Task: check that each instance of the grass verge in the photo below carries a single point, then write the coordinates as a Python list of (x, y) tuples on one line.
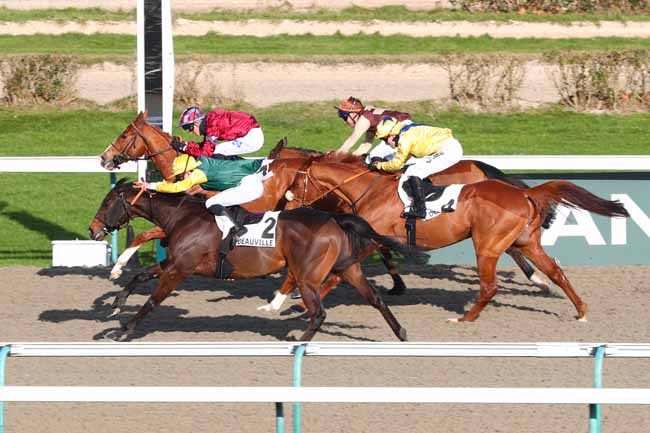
[(108, 47)]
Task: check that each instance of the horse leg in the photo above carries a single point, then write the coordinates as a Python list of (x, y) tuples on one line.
[(550, 268), (120, 299), (169, 279), (528, 270), (398, 284), (280, 294), (355, 277), (332, 281), (487, 272), (315, 309), (142, 238)]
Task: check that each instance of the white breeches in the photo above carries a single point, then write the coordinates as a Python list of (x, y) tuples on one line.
[(382, 150), (250, 188), (249, 143), (450, 153)]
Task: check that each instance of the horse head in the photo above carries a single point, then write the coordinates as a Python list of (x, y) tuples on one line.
[(141, 140), (114, 211)]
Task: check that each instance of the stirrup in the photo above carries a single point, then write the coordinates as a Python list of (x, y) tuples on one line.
[(238, 231)]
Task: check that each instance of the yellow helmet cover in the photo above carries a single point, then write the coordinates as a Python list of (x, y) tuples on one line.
[(184, 163)]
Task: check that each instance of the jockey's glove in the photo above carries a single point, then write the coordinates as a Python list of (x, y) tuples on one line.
[(178, 144), (373, 166)]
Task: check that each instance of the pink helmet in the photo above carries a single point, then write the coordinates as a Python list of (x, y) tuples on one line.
[(189, 116)]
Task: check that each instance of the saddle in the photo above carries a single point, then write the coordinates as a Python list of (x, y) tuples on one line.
[(245, 217), (431, 192), (241, 216)]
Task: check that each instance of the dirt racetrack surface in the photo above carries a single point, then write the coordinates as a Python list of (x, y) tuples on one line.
[(60, 304)]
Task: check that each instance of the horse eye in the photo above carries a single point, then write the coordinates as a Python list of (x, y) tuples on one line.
[(123, 136)]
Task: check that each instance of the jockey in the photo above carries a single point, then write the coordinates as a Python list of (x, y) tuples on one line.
[(431, 150), (239, 131), (237, 180), (364, 120)]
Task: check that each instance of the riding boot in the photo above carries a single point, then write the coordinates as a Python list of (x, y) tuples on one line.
[(418, 208), (238, 230)]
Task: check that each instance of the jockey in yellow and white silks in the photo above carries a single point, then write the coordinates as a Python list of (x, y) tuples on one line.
[(425, 148)]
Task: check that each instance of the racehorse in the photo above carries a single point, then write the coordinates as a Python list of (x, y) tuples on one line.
[(496, 215), (311, 243), (141, 139)]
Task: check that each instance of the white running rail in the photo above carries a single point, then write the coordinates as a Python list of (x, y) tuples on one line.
[(327, 394), (69, 164)]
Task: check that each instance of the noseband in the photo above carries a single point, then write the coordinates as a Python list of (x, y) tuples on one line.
[(109, 228)]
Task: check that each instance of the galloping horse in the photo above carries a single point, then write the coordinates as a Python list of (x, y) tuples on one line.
[(311, 243), (496, 215), (140, 139)]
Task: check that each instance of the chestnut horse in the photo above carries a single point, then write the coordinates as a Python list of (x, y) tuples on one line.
[(311, 243), (140, 139), (496, 215)]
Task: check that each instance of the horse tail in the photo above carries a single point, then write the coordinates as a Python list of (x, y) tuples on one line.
[(492, 172), (361, 234), (550, 194)]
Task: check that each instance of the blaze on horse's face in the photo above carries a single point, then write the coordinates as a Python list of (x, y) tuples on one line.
[(112, 214), (127, 146)]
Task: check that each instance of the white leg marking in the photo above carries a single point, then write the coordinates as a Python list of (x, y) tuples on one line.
[(121, 262), (275, 304)]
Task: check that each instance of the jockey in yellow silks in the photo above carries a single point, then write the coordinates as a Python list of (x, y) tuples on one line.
[(424, 149)]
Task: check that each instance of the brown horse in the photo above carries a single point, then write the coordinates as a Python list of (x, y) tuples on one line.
[(311, 243), (496, 215), (140, 139)]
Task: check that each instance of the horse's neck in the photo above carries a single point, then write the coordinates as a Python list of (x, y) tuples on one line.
[(363, 190), (274, 188), (162, 153), (158, 211)]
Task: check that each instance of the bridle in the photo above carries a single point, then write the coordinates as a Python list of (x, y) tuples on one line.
[(123, 155), (109, 228), (336, 189)]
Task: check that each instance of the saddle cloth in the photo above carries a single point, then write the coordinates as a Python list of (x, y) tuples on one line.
[(438, 199), (260, 234)]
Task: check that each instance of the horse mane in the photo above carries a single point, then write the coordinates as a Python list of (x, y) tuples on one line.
[(159, 131), (342, 157), (305, 150)]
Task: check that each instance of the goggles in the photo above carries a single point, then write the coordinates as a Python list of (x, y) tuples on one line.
[(343, 114)]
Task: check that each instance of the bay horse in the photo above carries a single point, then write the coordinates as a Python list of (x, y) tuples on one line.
[(311, 243), (140, 139), (496, 215)]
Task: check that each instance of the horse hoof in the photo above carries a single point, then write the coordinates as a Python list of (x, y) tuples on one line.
[(266, 307), (540, 282), (115, 275), (582, 319), (114, 312), (402, 335), (297, 308), (453, 320), (112, 335)]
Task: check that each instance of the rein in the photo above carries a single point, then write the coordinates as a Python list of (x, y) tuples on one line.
[(335, 187), (124, 156)]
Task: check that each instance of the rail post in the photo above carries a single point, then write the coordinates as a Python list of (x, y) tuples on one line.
[(114, 245), (4, 353), (297, 374), (595, 411)]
